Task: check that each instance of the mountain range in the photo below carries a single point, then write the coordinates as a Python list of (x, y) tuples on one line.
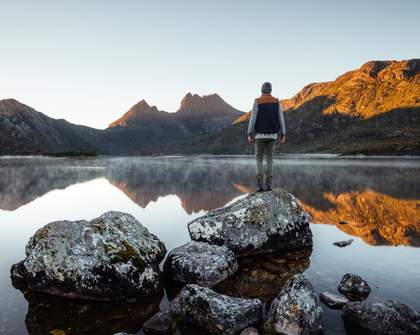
[(371, 110)]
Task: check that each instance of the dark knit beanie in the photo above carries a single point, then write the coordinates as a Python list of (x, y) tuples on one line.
[(266, 88)]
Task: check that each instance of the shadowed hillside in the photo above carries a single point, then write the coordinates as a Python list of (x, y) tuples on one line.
[(373, 110)]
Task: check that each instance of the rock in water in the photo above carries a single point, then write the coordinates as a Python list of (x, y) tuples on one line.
[(214, 312), (108, 258), (296, 310), (200, 263), (259, 223), (160, 323), (333, 300), (354, 287), (344, 243), (389, 318)]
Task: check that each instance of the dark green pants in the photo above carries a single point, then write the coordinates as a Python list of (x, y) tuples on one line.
[(264, 146)]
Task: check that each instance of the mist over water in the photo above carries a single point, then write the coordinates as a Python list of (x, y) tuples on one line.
[(378, 198)]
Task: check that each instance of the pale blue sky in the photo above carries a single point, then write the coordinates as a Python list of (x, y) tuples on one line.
[(89, 61)]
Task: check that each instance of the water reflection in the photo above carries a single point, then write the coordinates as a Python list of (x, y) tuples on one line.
[(380, 200), (377, 218), (51, 315), (264, 276)]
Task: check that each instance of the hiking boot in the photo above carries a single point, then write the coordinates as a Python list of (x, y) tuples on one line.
[(260, 187), (268, 185)]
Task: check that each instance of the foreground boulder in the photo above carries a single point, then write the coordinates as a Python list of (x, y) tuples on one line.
[(389, 318), (296, 310), (108, 258), (200, 263), (354, 287), (261, 222), (214, 312)]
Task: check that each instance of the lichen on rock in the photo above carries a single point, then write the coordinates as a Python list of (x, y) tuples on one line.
[(107, 258), (199, 263), (296, 310), (213, 312), (259, 223)]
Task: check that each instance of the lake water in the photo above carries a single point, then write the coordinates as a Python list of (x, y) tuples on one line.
[(378, 198)]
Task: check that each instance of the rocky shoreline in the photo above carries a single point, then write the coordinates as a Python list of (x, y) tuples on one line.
[(264, 237)]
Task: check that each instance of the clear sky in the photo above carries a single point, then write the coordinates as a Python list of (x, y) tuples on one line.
[(89, 61)]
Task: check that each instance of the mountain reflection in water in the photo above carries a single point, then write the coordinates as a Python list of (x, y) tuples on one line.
[(379, 199)]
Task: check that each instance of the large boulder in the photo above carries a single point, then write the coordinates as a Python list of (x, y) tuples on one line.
[(108, 258), (389, 318), (296, 310), (354, 287), (214, 312), (200, 263), (259, 223)]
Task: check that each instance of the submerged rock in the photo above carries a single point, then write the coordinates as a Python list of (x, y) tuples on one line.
[(343, 244), (296, 310), (160, 323), (214, 312), (389, 318), (200, 263), (333, 300), (263, 276), (261, 222), (108, 258), (354, 287)]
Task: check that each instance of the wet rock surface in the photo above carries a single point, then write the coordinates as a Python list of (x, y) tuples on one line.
[(332, 300), (388, 318), (344, 243), (111, 257), (160, 323), (200, 263), (264, 276), (354, 287), (296, 310), (249, 331), (259, 223), (213, 312)]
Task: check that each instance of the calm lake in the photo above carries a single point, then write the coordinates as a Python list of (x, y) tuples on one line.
[(378, 198)]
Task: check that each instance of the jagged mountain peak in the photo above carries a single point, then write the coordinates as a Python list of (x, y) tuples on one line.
[(137, 113), (205, 104)]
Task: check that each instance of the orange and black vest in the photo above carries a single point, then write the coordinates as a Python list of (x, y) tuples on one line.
[(268, 120)]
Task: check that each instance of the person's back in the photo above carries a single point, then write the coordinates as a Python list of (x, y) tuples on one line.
[(266, 126)]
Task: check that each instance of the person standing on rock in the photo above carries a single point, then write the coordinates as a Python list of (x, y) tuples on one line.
[(266, 127)]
